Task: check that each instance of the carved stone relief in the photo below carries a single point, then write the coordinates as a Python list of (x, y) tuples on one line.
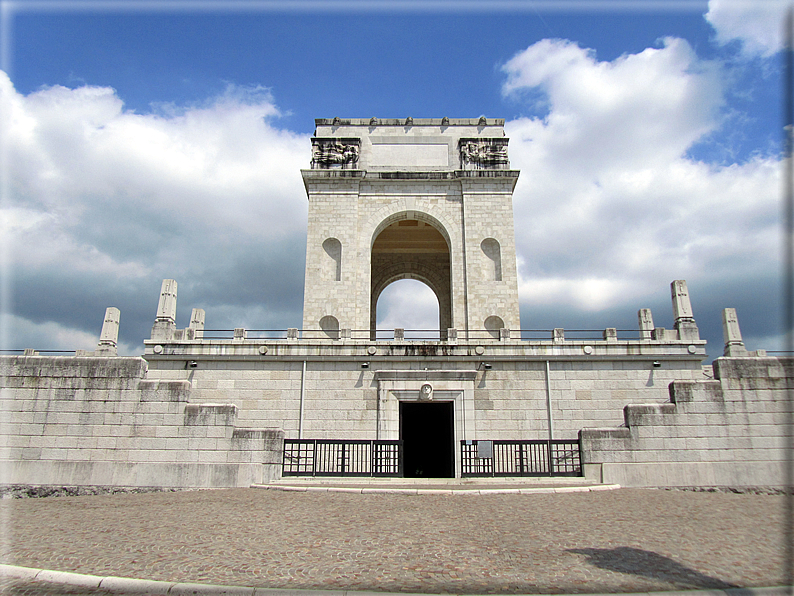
[(483, 154), (335, 153)]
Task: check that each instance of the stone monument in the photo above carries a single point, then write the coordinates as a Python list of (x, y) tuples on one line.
[(427, 199)]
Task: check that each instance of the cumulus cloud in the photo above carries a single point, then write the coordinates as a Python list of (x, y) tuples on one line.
[(115, 201), (56, 337), (756, 24), (102, 203), (609, 208)]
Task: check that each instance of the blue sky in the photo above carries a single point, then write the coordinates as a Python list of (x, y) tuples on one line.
[(167, 142)]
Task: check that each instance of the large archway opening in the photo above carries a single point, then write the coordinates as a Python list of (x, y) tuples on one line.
[(411, 305), (412, 248)]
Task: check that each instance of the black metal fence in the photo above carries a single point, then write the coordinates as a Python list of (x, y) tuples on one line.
[(521, 458), (331, 457)]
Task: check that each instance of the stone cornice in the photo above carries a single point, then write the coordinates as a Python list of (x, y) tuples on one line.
[(413, 122), (405, 175)]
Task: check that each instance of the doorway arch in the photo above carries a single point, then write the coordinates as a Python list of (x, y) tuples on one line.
[(415, 247)]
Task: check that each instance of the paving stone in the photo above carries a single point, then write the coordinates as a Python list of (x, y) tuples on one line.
[(625, 540)]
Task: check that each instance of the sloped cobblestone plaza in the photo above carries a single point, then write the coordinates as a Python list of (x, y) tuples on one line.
[(625, 540)]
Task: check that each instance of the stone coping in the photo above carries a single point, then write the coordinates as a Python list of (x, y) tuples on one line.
[(461, 349), (397, 174), (439, 490), (402, 122)]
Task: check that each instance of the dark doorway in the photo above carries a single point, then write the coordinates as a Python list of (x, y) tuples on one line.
[(427, 433)]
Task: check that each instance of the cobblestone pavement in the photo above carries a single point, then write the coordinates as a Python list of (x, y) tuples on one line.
[(626, 540)]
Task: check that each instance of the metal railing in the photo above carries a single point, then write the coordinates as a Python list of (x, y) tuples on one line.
[(39, 352), (332, 457), (521, 458), (417, 334)]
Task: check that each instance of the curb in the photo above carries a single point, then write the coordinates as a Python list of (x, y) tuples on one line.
[(371, 490), (160, 588)]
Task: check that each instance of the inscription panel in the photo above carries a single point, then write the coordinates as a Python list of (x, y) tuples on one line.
[(409, 155)]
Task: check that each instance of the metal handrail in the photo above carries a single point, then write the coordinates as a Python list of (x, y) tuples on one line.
[(342, 457), (543, 457)]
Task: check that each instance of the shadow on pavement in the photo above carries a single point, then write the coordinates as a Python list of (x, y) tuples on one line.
[(644, 563)]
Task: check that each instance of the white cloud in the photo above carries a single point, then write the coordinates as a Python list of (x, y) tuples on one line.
[(608, 207), (51, 335), (77, 150), (756, 24), (115, 201)]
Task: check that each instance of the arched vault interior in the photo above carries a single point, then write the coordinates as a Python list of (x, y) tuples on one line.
[(412, 249)]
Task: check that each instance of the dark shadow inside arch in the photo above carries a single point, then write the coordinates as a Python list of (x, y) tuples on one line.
[(412, 249)]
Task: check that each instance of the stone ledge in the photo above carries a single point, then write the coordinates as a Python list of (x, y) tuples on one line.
[(420, 375), (401, 122), (209, 414), (688, 391)]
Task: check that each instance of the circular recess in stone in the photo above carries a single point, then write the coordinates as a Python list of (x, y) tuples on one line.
[(158, 349), (691, 349), (587, 349), (263, 350), (479, 350), (372, 350)]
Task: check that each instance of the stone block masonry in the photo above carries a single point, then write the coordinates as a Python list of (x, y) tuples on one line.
[(730, 431), (94, 421), (425, 199)]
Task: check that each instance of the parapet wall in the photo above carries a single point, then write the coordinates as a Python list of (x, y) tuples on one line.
[(99, 421), (730, 431)]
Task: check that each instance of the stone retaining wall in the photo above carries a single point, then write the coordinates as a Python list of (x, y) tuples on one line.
[(99, 421), (731, 431)]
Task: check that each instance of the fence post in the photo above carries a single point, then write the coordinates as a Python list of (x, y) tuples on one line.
[(521, 459), (551, 460)]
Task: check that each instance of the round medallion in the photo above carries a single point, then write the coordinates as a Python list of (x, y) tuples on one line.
[(263, 350), (691, 349), (372, 350), (587, 349), (479, 350), (158, 349), (426, 392)]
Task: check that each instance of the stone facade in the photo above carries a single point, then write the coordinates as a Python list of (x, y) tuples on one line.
[(427, 199), (102, 421), (344, 386), (729, 431)]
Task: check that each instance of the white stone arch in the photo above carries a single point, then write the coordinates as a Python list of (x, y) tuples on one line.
[(425, 275), (438, 277), (401, 210)]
